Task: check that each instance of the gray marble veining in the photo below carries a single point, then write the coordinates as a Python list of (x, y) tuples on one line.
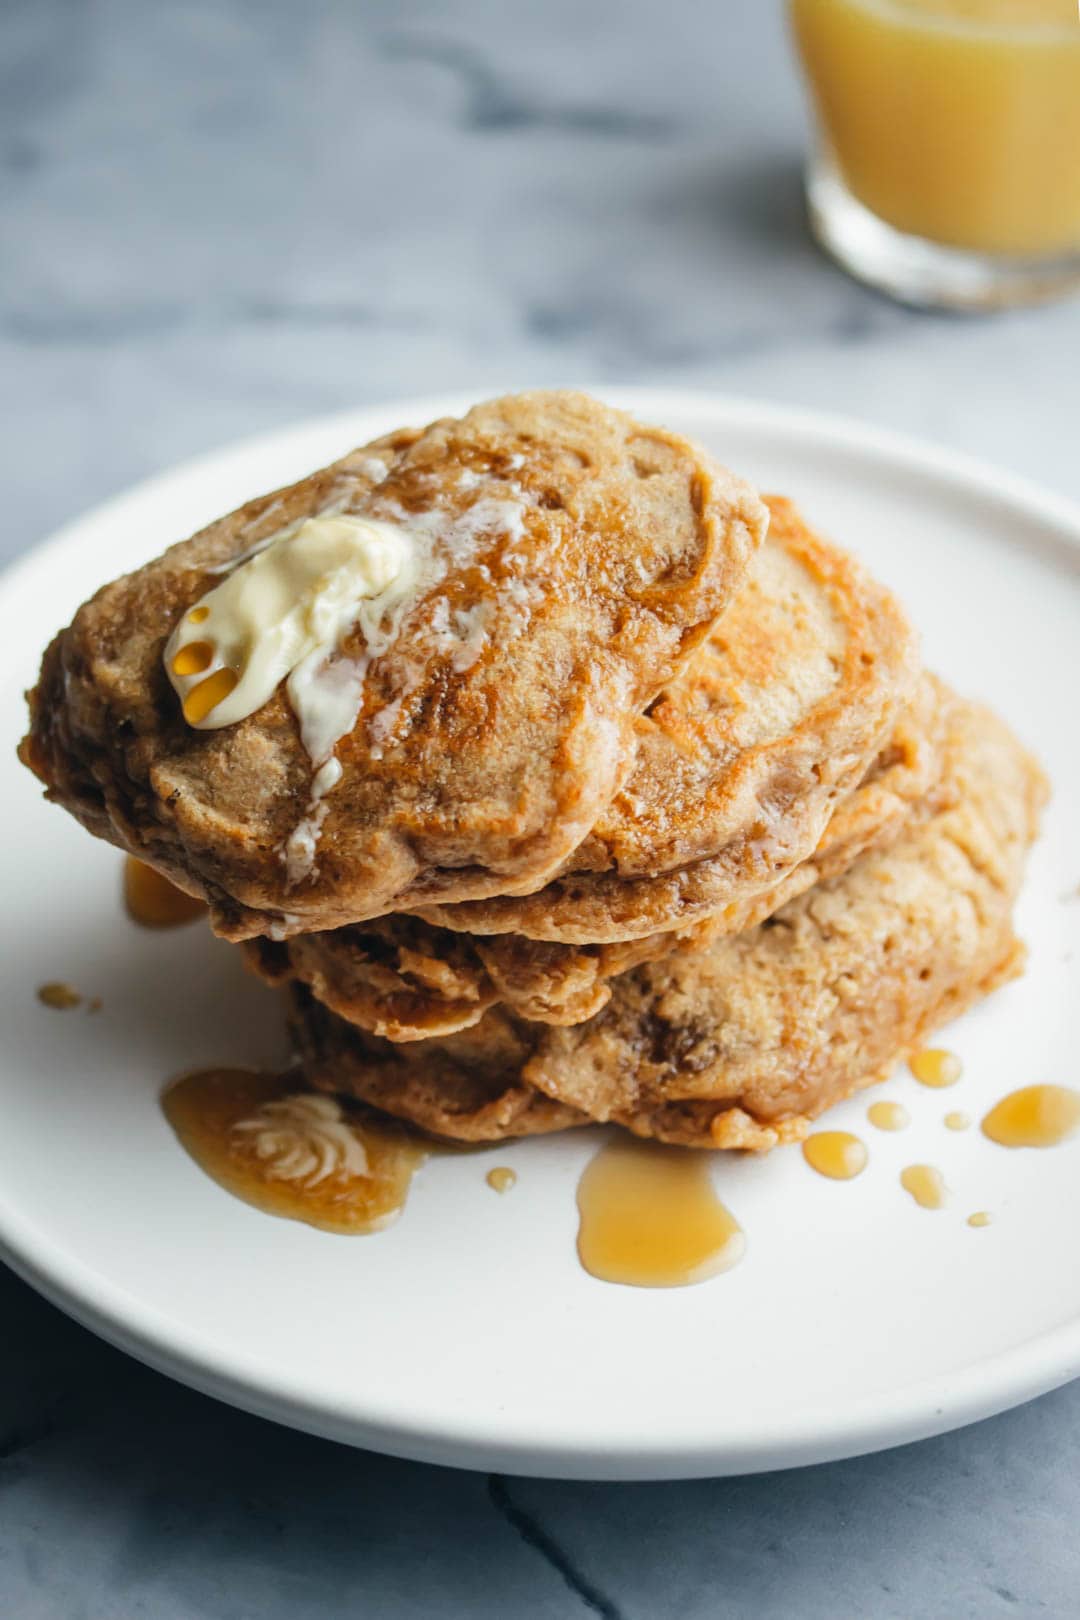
[(219, 217)]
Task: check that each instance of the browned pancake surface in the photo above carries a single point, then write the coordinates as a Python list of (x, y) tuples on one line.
[(740, 1044), (468, 1088), (406, 980), (583, 556), (741, 761)]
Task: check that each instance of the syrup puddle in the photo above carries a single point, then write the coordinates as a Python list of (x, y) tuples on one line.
[(1034, 1116), (935, 1068), (209, 693), (650, 1217), (836, 1154), (153, 902), (60, 997), (649, 1214), (888, 1116), (299, 1154), (926, 1185)]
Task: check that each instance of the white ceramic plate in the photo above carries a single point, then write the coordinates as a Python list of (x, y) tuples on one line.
[(468, 1334)]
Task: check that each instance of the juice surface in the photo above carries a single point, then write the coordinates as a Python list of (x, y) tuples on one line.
[(955, 120)]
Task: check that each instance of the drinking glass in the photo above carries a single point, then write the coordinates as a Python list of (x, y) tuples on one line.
[(947, 168)]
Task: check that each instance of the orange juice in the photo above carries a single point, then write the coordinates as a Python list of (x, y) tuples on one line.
[(953, 120)]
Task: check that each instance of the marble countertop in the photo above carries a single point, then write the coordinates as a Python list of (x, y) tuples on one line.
[(223, 217)]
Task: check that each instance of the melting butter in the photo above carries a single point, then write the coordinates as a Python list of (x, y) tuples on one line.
[(291, 1152), (300, 847), (285, 606), (280, 610)]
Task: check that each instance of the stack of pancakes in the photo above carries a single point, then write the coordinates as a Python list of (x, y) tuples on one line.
[(648, 813)]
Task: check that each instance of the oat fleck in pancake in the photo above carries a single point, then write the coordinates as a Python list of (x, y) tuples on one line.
[(741, 761), (739, 1045), (407, 980), (569, 561)]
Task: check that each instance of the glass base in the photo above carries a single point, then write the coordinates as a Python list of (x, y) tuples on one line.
[(916, 271)]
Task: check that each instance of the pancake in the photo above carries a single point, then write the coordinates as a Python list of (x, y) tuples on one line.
[(742, 1044), (569, 560), (406, 980), (472, 1090), (741, 762)]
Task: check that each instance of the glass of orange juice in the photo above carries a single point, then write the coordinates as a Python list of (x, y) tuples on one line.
[(948, 166)]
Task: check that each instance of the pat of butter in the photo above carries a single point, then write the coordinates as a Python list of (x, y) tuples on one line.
[(294, 598)]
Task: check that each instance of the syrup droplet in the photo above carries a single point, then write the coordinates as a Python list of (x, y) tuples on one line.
[(1034, 1116), (501, 1179), (888, 1116), (650, 1217), (981, 1217), (208, 694), (193, 659), (290, 1152), (153, 902), (926, 1185), (836, 1154), (198, 615), (58, 996), (957, 1121), (935, 1068)]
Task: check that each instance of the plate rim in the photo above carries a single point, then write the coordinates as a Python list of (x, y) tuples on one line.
[(909, 1412)]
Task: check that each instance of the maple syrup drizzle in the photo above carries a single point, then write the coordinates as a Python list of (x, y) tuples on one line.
[(650, 1217), (836, 1154), (208, 694), (1034, 1116), (193, 659), (935, 1068), (501, 1178), (153, 902), (888, 1116), (299, 1154), (60, 997), (926, 1185)]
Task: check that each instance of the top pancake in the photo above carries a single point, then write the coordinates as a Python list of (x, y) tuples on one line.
[(741, 761), (575, 560)]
